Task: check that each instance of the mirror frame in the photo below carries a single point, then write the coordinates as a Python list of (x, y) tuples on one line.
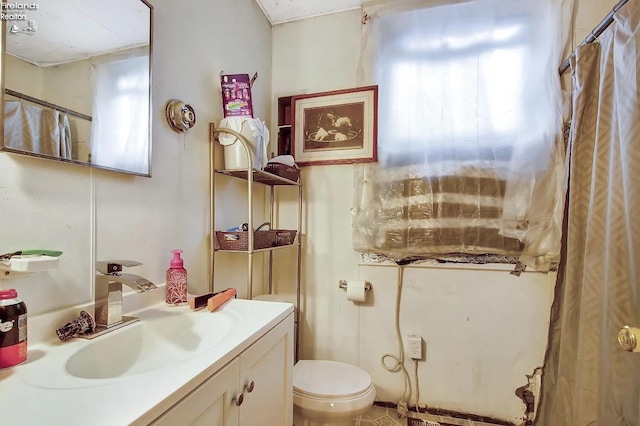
[(3, 148)]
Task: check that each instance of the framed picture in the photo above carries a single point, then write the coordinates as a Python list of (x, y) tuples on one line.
[(338, 127)]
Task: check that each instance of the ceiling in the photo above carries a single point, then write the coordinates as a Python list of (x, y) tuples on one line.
[(280, 11), (69, 30), (94, 27)]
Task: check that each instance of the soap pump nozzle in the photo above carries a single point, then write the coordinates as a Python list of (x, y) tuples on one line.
[(176, 262)]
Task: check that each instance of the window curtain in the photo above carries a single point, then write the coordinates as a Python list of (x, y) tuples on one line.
[(121, 95), (469, 132), (588, 378)]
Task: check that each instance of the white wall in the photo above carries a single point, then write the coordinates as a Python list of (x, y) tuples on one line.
[(22, 76), (588, 14), (75, 209), (69, 85), (485, 330), (171, 210)]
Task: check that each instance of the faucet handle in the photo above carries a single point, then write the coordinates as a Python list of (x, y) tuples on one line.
[(83, 324), (112, 266)]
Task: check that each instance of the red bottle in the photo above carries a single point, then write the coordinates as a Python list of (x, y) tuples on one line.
[(13, 329)]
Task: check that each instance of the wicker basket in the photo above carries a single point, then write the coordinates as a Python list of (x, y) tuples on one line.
[(239, 240), (282, 170), (285, 237)]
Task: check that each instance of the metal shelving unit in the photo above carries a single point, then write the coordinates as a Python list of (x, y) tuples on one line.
[(252, 176)]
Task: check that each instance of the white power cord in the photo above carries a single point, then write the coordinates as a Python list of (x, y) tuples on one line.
[(417, 386), (403, 407)]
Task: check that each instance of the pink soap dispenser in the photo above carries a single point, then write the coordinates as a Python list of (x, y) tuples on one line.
[(176, 291)]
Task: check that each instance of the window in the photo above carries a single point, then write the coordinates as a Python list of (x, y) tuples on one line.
[(468, 122), (470, 86), (121, 95)]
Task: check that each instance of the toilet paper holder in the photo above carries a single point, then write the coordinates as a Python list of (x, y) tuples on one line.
[(343, 285)]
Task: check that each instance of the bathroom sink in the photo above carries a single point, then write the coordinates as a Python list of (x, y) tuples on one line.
[(160, 339), (164, 338)]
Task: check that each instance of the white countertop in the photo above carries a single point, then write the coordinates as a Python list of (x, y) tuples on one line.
[(41, 392)]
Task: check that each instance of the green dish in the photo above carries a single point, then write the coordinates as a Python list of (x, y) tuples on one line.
[(32, 252)]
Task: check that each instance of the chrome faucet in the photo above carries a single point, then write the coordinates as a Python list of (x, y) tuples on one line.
[(108, 301), (108, 291)]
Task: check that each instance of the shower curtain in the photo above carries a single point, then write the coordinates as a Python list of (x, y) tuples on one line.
[(35, 129), (588, 378)]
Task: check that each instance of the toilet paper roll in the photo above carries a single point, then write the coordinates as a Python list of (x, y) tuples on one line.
[(356, 290)]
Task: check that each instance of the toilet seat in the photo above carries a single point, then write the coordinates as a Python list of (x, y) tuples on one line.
[(330, 392), (329, 380)]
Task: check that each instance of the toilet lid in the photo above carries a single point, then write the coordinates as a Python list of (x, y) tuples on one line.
[(329, 379)]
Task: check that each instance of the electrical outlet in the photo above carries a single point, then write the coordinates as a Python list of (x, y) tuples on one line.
[(415, 347)]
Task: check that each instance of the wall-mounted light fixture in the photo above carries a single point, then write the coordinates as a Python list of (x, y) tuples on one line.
[(180, 116)]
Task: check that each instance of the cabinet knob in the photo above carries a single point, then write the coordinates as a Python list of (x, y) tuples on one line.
[(238, 399), (249, 386)]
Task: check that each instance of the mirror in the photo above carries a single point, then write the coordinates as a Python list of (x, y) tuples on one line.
[(77, 82)]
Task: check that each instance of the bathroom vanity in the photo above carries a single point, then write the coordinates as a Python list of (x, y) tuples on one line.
[(173, 367), (252, 389)]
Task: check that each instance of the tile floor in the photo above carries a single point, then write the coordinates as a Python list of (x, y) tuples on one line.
[(380, 416)]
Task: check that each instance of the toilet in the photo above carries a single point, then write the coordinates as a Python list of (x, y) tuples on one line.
[(327, 392), (330, 393)]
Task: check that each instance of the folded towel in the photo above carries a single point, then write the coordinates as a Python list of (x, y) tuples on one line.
[(284, 159)]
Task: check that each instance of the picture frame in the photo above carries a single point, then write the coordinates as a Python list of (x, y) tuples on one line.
[(336, 127)]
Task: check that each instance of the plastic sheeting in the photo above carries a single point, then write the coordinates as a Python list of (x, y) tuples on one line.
[(405, 212), (469, 132)]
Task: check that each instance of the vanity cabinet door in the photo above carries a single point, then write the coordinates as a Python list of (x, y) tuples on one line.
[(266, 378), (256, 388), (210, 404)]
